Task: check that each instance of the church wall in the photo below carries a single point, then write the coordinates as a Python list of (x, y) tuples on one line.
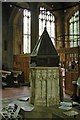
[(59, 29), (17, 35), (11, 38), (4, 47), (4, 38), (12, 35), (7, 49)]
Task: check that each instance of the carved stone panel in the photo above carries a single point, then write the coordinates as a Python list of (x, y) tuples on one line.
[(44, 83)]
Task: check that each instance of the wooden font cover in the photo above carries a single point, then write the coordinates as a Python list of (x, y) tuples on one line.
[(44, 52)]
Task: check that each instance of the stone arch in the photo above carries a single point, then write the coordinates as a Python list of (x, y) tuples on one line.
[(16, 23)]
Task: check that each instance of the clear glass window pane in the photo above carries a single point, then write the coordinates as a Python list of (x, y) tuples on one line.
[(74, 29), (75, 43), (26, 31), (49, 19)]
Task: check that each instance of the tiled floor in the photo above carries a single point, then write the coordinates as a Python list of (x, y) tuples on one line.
[(15, 92), (21, 91), (18, 92), (10, 94)]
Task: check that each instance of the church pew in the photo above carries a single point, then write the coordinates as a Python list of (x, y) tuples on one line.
[(4, 74), (12, 78), (19, 77)]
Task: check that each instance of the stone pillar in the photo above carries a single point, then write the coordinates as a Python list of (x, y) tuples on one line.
[(44, 83), (1, 36), (34, 24), (60, 30), (10, 48)]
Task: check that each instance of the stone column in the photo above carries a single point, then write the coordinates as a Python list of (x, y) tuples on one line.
[(59, 29), (34, 24), (10, 48)]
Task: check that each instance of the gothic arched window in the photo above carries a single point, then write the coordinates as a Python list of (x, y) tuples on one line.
[(48, 18), (26, 31), (74, 30)]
